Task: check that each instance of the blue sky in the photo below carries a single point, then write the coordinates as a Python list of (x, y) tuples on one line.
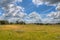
[(1, 11), (30, 7)]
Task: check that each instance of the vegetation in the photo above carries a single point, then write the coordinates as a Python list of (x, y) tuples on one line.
[(30, 32), (35, 31), (2, 22), (21, 22)]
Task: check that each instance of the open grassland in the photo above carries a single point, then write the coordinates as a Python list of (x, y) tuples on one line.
[(29, 32)]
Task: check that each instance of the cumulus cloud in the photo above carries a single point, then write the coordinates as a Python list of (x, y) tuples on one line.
[(14, 13), (13, 9), (53, 17), (34, 17), (18, 0), (51, 20), (5, 3), (39, 2), (51, 1), (58, 7)]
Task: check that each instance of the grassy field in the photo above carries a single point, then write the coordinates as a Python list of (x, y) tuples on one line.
[(29, 32)]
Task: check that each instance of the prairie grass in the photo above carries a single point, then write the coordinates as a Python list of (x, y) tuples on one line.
[(29, 32)]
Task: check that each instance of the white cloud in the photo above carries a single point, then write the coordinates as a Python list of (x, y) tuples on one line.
[(47, 2), (58, 7), (13, 9), (19, 0), (37, 2), (14, 13), (1, 18), (31, 18), (5, 3), (53, 17), (34, 17)]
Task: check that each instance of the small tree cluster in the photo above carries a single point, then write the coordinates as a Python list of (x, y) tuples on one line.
[(3, 22), (21, 22)]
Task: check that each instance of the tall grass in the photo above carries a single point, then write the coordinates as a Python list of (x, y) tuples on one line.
[(30, 32)]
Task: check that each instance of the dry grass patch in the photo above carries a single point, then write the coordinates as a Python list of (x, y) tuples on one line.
[(29, 32)]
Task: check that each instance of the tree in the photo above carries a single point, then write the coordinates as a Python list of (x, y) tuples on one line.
[(4, 22)]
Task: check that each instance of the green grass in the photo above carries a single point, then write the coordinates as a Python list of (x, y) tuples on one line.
[(29, 32)]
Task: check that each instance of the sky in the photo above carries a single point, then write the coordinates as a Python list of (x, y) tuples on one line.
[(30, 11)]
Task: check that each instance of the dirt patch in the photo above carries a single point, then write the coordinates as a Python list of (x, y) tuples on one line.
[(9, 27)]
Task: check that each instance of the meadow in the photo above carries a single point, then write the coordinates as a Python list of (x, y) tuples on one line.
[(29, 32)]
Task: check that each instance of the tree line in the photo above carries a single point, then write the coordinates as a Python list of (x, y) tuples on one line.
[(4, 22)]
